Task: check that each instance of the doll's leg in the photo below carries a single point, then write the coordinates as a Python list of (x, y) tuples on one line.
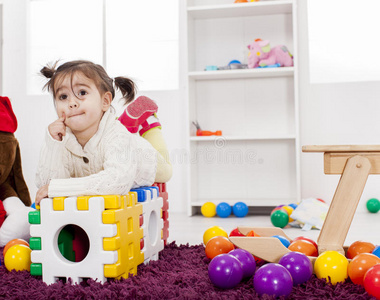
[(164, 167)]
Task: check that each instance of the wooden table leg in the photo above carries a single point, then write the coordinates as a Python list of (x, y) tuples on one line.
[(344, 204)]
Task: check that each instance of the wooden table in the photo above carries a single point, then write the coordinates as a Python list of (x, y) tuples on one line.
[(355, 163)]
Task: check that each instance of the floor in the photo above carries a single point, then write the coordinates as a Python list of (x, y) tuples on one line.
[(184, 229)]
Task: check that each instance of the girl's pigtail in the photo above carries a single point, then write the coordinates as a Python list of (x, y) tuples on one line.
[(48, 72), (127, 88)]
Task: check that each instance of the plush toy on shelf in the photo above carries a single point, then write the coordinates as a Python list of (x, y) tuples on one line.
[(261, 55)]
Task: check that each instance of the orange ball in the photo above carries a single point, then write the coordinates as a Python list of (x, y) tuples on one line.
[(253, 234), (14, 242), (218, 245), (304, 247), (360, 265), (359, 247)]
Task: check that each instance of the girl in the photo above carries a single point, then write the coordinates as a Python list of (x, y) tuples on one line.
[(87, 151)]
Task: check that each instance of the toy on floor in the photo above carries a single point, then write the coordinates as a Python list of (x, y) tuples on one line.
[(261, 54), (359, 265), (358, 247), (14, 242), (279, 218), (119, 239), (372, 281), (208, 210), (373, 205), (331, 265), (240, 209), (218, 245), (225, 271), (274, 280), (223, 210), (298, 265), (17, 258), (14, 193), (247, 261), (213, 231), (304, 247), (201, 132)]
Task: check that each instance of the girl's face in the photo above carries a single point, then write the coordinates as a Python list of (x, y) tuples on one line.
[(82, 104)]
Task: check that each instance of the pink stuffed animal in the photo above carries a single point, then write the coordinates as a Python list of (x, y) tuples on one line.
[(261, 55)]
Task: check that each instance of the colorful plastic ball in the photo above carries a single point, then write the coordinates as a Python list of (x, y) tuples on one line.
[(306, 239), (359, 247), (371, 281), (253, 234), (279, 218), (240, 209), (359, 265), (225, 271), (218, 245), (283, 240), (304, 247), (293, 205), (14, 242), (223, 210), (213, 231), (18, 258), (208, 210), (376, 251), (247, 261), (289, 211), (298, 265), (274, 280), (236, 232), (373, 205), (331, 264)]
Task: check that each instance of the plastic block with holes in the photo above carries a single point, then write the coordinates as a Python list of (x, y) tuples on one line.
[(165, 210), (86, 237), (152, 222)]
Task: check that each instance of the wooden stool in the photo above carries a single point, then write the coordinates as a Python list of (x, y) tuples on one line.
[(355, 163)]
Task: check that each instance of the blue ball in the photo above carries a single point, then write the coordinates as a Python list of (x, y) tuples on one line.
[(376, 251), (240, 209), (283, 240), (223, 210), (293, 205)]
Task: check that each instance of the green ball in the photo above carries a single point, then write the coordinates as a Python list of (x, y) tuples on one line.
[(373, 205), (279, 218)]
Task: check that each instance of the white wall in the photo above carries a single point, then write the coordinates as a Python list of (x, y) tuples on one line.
[(35, 113), (329, 113), (339, 113)]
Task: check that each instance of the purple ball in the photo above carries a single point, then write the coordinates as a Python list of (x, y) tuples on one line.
[(247, 261), (225, 271), (273, 280), (298, 265)]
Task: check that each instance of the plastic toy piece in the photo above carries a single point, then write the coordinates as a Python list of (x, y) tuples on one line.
[(201, 132), (355, 163)]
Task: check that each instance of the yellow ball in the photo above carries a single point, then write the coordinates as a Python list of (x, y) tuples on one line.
[(331, 264), (213, 231), (208, 209), (18, 258), (289, 211)]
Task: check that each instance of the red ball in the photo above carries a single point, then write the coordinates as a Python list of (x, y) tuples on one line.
[(236, 232), (372, 281), (218, 245)]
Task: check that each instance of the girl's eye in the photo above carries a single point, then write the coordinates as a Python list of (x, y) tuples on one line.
[(82, 93), (62, 97)]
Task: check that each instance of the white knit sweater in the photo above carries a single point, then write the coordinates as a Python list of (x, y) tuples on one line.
[(112, 162)]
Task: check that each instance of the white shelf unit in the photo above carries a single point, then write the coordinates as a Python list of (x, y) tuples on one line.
[(257, 159)]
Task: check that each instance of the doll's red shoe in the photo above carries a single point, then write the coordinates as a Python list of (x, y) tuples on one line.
[(137, 112)]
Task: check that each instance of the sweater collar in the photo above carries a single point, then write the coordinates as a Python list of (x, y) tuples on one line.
[(72, 144)]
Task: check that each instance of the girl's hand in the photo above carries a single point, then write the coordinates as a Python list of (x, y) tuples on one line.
[(41, 194), (57, 129)]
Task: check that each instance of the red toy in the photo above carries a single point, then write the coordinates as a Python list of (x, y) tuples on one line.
[(201, 132)]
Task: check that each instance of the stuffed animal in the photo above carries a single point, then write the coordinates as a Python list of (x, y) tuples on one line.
[(14, 194), (262, 55)]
